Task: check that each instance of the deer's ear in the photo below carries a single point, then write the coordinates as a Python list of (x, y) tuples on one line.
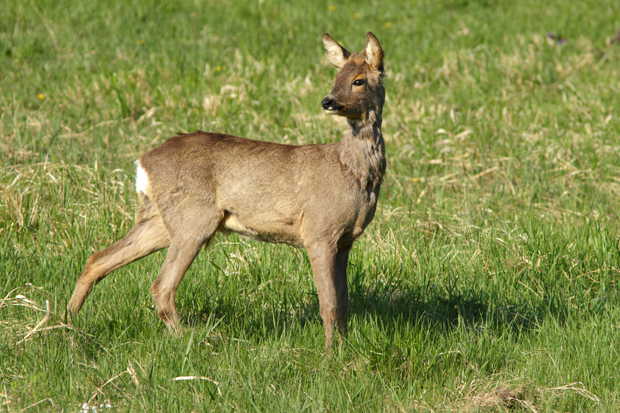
[(337, 55), (374, 53)]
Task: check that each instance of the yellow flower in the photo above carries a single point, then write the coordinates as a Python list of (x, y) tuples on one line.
[(388, 25), (141, 41), (41, 96), (356, 16), (331, 8), (218, 68)]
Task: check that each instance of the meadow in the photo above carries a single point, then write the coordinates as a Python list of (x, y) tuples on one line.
[(488, 280)]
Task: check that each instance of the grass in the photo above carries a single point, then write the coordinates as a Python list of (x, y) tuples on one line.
[(488, 280)]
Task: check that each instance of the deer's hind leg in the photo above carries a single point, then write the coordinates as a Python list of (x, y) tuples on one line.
[(149, 235), (189, 229)]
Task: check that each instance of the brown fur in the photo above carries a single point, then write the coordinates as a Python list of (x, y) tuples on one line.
[(319, 197)]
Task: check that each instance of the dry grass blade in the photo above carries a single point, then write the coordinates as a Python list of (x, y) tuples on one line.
[(132, 373), (6, 297), (110, 380), (579, 390), (47, 399), (67, 326), (40, 323), (24, 301), (185, 378)]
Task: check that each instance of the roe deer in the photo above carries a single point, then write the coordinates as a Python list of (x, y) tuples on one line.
[(320, 197)]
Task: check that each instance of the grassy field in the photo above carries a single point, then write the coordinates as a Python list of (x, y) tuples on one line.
[(488, 280)]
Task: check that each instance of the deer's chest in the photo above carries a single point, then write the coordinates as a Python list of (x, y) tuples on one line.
[(365, 212)]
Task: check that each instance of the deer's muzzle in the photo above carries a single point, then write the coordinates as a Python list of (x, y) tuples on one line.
[(331, 106)]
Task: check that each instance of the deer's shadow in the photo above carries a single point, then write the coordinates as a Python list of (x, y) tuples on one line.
[(394, 302)]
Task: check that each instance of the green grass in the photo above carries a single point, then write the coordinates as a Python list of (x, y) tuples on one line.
[(488, 280)]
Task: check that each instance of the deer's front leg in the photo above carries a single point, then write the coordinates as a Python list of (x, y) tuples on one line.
[(342, 291), (330, 277)]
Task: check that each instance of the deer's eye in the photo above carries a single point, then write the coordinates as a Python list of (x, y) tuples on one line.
[(359, 82)]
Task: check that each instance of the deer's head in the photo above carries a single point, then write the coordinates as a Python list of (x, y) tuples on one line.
[(358, 86)]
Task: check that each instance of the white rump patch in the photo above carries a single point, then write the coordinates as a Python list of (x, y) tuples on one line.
[(142, 180)]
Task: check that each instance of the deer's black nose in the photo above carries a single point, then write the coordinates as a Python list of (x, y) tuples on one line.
[(327, 103)]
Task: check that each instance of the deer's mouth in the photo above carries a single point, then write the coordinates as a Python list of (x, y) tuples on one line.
[(332, 111)]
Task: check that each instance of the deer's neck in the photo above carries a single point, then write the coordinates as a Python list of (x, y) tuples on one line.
[(363, 151)]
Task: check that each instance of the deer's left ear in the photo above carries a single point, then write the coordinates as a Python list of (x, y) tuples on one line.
[(374, 53), (337, 55)]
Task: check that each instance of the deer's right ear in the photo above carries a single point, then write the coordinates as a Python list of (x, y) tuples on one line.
[(337, 55), (374, 53)]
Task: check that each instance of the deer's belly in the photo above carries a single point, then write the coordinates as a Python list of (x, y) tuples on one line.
[(278, 231)]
